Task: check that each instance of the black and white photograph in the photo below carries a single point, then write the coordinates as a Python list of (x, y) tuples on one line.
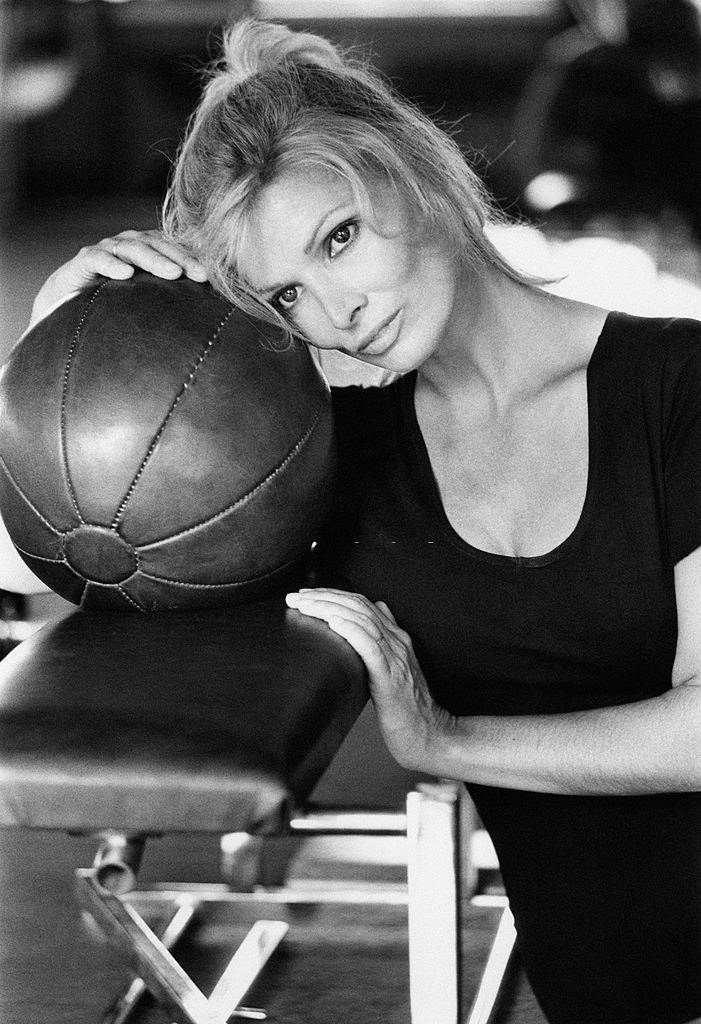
[(350, 511)]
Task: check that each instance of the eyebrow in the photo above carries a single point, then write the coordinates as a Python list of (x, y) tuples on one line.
[(307, 248)]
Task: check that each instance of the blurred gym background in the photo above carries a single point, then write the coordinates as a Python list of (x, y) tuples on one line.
[(583, 116)]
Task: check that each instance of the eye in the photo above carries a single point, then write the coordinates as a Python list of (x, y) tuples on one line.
[(341, 237), (285, 298)]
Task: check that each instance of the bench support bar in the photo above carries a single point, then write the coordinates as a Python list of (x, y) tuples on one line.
[(437, 829), (162, 974)]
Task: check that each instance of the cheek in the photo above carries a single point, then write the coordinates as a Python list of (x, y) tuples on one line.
[(380, 265), (404, 267), (310, 319)]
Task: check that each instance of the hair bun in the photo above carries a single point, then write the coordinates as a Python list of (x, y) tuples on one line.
[(251, 46)]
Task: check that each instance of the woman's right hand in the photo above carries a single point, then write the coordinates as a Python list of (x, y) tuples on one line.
[(116, 257)]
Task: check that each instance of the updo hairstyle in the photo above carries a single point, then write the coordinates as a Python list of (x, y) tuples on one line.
[(279, 100)]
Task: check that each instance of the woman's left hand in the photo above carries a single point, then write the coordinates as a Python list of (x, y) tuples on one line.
[(411, 721)]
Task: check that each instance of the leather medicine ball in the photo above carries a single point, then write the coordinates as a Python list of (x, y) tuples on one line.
[(161, 449)]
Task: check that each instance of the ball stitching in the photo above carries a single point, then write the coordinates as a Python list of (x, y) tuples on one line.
[(275, 471), (35, 510), (159, 433), (219, 586), (66, 374)]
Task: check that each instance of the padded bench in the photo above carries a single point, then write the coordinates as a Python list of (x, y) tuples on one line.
[(128, 726)]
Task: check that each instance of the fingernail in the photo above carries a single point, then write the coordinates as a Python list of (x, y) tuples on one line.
[(292, 598)]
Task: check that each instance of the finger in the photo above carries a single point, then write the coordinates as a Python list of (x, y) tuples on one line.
[(386, 616), (328, 590), (93, 261), (172, 251), (385, 611), (323, 599), (351, 599), (374, 654), (393, 640), (138, 252), (344, 597), (152, 252), (377, 610), (322, 607)]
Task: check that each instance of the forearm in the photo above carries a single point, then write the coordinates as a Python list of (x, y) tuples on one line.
[(650, 746)]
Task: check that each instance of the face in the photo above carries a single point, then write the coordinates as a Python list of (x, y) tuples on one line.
[(366, 288)]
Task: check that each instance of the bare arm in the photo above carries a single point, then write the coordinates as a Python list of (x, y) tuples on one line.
[(646, 747), (649, 746)]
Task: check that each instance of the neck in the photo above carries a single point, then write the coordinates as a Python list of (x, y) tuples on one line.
[(501, 338)]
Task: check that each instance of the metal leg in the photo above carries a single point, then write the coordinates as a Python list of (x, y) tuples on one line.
[(434, 877), (127, 1002), (148, 956), (245, 966), (130, 934)]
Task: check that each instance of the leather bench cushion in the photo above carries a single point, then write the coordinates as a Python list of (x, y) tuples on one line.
[(214, 721)]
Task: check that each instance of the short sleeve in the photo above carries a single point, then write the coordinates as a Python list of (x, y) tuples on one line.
[(683, 452)]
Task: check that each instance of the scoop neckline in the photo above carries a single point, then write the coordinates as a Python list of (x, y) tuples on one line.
[(432, 492)]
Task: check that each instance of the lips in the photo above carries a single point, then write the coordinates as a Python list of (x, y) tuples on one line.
[(382, 333)]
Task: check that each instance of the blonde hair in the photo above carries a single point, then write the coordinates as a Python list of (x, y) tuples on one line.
[(279, 100)]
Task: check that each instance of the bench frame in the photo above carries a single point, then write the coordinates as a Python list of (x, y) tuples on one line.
[(440, 880)]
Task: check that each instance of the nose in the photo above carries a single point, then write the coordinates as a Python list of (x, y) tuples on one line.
[(343, 306)]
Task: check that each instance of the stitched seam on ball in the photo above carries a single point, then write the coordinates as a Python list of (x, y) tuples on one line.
[(174, 404), (293, 452), (131, 601), (41, 558), (66, 374), (220, 586), (24, 497)]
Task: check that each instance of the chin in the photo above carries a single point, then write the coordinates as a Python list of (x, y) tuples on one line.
[(403, 357)]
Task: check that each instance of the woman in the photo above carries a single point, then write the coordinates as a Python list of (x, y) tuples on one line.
[(525, 497)]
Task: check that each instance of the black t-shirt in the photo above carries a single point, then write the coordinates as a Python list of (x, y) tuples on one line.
[(606, 891)]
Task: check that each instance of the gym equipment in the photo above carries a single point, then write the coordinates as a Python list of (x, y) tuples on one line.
[(608, 123), (220, 721), (160, 449)]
